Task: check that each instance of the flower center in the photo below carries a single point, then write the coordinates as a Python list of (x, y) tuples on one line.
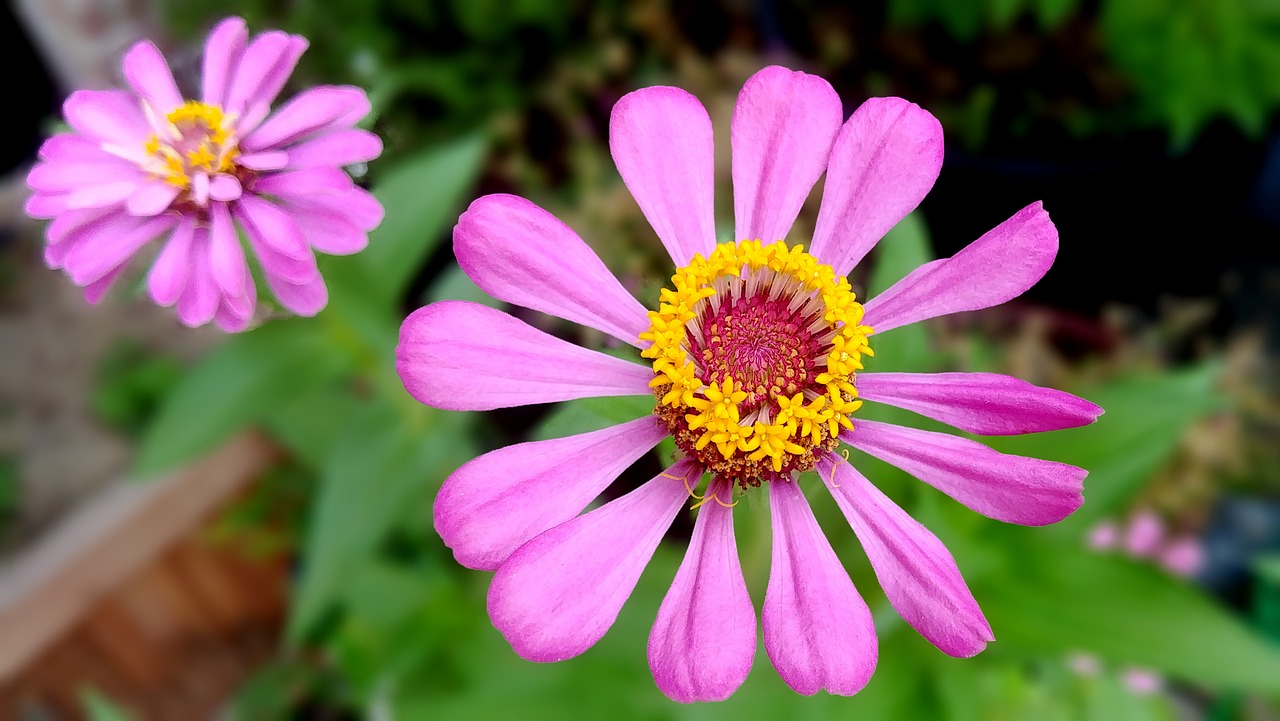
[(755, 350), (193, 139)]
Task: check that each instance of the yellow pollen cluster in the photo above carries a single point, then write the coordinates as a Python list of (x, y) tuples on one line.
[(200, 140), (791, 426)]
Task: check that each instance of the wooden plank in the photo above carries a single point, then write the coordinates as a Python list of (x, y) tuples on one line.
[(109, 540)]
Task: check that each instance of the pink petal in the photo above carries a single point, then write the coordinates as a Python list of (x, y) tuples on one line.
[(342, 147), (264, 161), (97, 290), (304, 299), (313, 111), (303, 183), (817, 629), (91, 168), (918, 574), (704, 638), (259, 61), (361, 207), (111, 243), (1103, 536), (1000, 265), (151, 198), (468, 357), (107, 116), (1144, 536), (72, 228), (226, 256), (883, 163), (326, 226), (559, 593), (225, 188), (1183, 557), (229, 320), (222, 54), (986, 403), (275, 79), (72, 148), (783, 128), (1013, 489), (199, 300), (520, 253), (168, 277), (276, 239), (660, 138), (45, 205), (148, 74), (99, 196), (200, 189), (495, 503)]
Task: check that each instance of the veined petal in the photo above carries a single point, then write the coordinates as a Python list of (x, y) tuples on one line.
[(147, 72), (110, 243), (1013, 489), (989, 404), (661, 141), (918, 574), (468, 357), (495, 503), (1000, 265), (559, 593), (817, 629), (783, 126), (276, 239), (704, 638), (520, 253), (258, 61), (310, 112), (222, 52), (884, 161)]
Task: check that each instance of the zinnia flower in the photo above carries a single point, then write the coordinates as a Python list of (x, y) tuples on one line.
[(757, 349), (144, 163)]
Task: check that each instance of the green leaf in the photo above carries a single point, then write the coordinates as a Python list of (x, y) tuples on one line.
[(1062, 598), (236, 386), (592, 414), (1144, 421), (312, 423), (420, 196), (98, 708), (378, 469)]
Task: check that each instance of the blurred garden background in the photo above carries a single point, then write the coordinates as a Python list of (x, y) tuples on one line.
[(281, 481)]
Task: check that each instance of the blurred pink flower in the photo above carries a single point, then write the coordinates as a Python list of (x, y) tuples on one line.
[(1103, 536), (144, 163), (1183, 556), (1141, 681), (755, 350), (1144, 535)]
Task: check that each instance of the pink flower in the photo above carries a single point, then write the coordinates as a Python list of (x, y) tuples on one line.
[(145, 163), (756, 351)]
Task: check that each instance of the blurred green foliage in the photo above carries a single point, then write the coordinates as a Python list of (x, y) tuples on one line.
[(131, 384)]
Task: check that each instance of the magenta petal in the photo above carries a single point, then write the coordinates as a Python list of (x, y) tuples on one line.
[(918, 574), (168, 277), (222, 52), (783, 126), (72, 148), (343, 147), (275, 160), (224, 187), (327, 226), (46, 205), (1000, 265), (305, 299), (817, 629), (97, 290), (559, 593), (148, 74), (1013, 489), (107, 116), (99, 196), (151, 198), (884, 161), (495, 503), (111, 243), (661, 141), (199, 300), (226, 256), (704, 638), (258, 61), (309, 112), (277, 240), (520, 253), (985, 403), (303, 183), (94, 167), (468, 357), (274, 81)]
